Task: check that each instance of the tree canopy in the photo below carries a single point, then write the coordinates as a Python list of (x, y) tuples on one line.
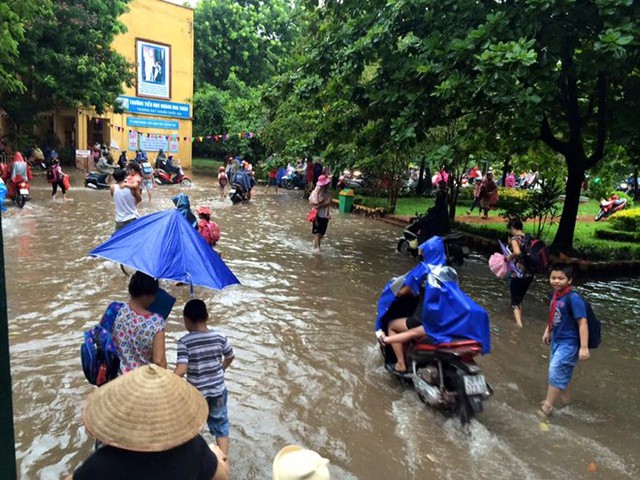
[(560, 72), (65, 58)]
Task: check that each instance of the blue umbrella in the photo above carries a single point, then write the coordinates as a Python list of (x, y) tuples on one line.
[(164, 246)]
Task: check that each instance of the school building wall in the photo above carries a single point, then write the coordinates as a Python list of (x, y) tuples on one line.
[(149, 122)]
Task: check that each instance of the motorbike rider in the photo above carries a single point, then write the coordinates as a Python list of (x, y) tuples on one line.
[(442, 317), (169, 167), (18, 171), (104, 167)]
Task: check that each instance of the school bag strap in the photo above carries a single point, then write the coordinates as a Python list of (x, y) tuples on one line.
[(110, 315), (593, 323)]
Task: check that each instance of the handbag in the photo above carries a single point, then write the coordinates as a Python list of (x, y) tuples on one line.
[(498, 265), (311, 216)]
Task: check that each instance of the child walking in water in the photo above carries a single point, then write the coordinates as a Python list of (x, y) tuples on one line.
[(568, 334), (208, 229), (223, 180), (204, 355), (57, 180)]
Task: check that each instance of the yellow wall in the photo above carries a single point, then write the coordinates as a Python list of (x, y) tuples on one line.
[(160, 22)]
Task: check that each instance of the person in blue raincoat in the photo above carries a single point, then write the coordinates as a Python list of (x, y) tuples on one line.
[(182, 203), (428, 301), (3, 195)]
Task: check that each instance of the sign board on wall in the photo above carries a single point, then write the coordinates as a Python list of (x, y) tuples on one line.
[(153, 143), (173, 144), (133, 141), (152, 123), (154, 107), (154, 69)]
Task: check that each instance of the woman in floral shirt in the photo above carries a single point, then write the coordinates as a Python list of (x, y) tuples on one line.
[(138, 333)]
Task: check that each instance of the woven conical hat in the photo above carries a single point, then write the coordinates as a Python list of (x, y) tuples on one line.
[(147, 410)]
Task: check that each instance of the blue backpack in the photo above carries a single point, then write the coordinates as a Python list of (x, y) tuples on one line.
[(595, 336), (98, 353)]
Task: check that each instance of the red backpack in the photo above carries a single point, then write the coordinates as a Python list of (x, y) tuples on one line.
[(209, 231), (535, 255)]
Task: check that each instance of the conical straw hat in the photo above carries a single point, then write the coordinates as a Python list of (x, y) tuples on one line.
[(147, 410), (297, 463)]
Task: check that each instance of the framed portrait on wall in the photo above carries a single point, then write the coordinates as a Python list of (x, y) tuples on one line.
[(154, 69)]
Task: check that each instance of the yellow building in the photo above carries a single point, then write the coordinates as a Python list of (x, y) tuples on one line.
[(158, 109)]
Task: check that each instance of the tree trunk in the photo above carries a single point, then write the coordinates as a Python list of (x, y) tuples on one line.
[(505, 169), (635, 183), (564, 236)]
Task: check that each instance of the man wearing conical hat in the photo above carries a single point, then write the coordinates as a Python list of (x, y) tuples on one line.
[(150, 422)]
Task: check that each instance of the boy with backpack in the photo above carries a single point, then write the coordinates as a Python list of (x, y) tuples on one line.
[(203, 355), (568, 332)]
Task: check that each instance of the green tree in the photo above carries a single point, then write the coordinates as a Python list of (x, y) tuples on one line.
[(66, 60), (14, 17), (248, 38)]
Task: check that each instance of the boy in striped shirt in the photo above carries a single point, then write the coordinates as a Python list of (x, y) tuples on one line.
[(203, 355)]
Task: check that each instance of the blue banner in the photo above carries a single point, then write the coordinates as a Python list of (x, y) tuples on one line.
[(152, 123), (155, 107)]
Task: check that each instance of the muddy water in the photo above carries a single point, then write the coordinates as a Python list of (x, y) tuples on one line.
[(307, 370)]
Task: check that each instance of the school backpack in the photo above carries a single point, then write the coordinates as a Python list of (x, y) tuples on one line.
[(98, 353), (210, 232), (595, 335), (535, 255), (222, 179), (147, 171)]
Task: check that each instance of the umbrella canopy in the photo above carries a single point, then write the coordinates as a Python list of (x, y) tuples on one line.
[(164, 246)]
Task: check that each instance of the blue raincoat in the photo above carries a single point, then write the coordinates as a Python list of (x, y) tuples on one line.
[(182, 203), (243, 178), (3, 195), (447, 312)]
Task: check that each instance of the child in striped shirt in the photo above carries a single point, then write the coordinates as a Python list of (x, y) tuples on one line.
[(203, 355)]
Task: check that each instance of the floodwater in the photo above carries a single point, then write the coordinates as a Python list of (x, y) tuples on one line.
[(307, 368)]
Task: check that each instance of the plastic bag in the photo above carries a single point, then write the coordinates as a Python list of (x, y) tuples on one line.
[(65, 182), (311, 217), (498, 265)]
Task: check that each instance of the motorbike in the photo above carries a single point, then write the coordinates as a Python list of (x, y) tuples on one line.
[(163, 178), (294, 180), (445, 376), (96, 181), (354, 180), (609, 207), (416, 233), (239, 193), (22, 193)]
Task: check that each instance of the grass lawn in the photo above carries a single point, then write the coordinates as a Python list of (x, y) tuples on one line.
[(585, 241), (205, 164)]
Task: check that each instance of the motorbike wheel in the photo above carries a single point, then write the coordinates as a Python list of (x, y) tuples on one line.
[(185, 183), (288, 184), (599, 215), (403, 246), (465, 410), (21, 200)]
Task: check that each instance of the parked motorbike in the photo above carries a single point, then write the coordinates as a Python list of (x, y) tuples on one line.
[(22, 194), (176, 178), (294, 180), (354, 180), (609, 207), (96, 181), (444, 376)]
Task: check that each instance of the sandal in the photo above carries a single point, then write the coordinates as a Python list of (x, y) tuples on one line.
[(545, 410)]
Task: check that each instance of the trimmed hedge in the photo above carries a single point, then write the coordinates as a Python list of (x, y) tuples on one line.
[(618, 235), (626, 221)]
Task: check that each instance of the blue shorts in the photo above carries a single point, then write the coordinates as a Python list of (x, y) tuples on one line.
[(218, 421), (564, 357)]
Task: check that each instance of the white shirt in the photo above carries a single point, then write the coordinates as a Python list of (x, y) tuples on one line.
[(125, 204)]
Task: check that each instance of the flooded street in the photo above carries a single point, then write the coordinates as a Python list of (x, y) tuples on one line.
[(307, 368)]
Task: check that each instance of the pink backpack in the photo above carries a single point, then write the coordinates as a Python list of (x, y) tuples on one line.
[(209, 231)]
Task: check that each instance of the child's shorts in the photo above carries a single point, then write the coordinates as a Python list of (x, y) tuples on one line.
[(218, 420), (147, 184), (564, 357)]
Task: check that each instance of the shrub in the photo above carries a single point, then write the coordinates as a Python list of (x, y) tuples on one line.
[(514, 203), (618, 235), (626, 221)]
